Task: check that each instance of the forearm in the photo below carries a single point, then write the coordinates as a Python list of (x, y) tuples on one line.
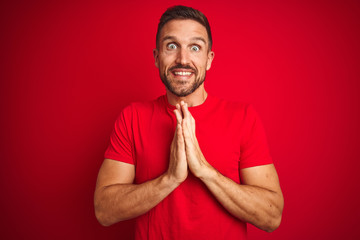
[(120, 202), (258, 206)]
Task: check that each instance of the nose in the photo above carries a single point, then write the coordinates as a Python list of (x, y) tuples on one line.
[(182, 57)]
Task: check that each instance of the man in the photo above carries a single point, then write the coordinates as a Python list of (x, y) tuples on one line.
[(181, 178)]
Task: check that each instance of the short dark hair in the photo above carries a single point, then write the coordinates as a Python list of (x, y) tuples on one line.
[(182, 12)]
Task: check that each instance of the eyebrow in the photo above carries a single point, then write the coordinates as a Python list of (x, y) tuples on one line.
[(168, 38), (199, 39), (193, 39)]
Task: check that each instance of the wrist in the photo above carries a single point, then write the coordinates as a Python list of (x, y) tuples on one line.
[(208, 173), (170, 180)]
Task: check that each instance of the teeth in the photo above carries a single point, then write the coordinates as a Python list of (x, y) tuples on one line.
[(182, 73)]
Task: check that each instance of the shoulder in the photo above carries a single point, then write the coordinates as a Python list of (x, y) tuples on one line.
[(238, 111), (141, 108), (232, 105)]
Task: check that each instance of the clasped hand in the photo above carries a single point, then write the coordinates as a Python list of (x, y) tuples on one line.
[(185, 152)]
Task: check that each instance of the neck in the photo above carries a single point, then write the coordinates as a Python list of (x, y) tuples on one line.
[(196, 98)]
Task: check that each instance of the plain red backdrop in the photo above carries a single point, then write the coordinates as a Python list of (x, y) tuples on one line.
[(68, 68)]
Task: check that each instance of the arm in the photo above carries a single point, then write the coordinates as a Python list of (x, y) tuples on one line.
[(117, 198), (258, 201)]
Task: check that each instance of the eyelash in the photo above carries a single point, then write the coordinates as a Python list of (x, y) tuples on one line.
[(196, 47), (168, 46)]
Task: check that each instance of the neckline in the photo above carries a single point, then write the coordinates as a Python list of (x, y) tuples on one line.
[(197, 108)]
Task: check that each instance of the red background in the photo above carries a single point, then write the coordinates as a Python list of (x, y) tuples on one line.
[(68, 68)]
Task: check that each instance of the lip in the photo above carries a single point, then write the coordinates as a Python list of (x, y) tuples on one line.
[(182, 70)]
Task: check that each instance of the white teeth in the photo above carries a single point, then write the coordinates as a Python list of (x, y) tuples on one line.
[(182, 73)]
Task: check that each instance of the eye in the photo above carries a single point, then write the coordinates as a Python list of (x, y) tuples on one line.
[(172, 46), (195, 48)]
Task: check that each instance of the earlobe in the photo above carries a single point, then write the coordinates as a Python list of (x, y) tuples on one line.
[(211, 56), (156, 57)]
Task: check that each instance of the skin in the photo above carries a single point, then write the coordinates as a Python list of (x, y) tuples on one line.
[(258, 200), (184, 42)]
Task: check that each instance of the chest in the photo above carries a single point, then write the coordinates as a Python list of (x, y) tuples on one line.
[(219, 141)]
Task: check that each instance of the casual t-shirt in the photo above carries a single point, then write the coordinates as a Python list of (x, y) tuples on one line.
[(231, 137)]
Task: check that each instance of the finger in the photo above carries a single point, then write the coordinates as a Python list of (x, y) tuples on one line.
[(178, 141), (193, 125), (188, 120), (187, 115), (179, 119), (179, 135), (188, 141), (186, 128), (185, 109), (179, 108), (178, 116)]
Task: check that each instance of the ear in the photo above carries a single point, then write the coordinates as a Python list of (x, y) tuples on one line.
[(210, 58), (156, 57)]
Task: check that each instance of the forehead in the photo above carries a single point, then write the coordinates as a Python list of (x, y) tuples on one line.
[(183, 29)]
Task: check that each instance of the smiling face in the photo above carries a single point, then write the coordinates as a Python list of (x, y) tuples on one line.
[(183, 56)]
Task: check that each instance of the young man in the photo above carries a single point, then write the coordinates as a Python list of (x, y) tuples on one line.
[(188, 165)]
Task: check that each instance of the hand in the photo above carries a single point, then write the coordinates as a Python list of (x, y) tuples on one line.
[(178, 167), (195, 159)]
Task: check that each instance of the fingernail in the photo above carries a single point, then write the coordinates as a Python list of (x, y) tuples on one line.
[(182, 102)]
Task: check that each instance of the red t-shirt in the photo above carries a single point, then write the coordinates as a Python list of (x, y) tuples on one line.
[(230, 136)]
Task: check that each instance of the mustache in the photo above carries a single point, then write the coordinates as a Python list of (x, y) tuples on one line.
[(183, 67)]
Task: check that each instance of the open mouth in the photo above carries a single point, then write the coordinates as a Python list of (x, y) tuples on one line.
[(183, 73)]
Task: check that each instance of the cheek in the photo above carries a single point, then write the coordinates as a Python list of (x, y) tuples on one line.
[(166, 61), (202, 66)]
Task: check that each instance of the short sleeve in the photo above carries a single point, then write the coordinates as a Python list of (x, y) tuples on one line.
[(120, 146), (254, 148)]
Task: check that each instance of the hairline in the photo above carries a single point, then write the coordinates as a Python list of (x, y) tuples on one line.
[(199, 38)]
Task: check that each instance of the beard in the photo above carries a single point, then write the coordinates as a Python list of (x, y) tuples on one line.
[(181, 91)]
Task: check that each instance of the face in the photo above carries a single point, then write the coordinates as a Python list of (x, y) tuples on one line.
[(183, 56)]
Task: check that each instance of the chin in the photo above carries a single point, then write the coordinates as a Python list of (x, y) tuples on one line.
[(182, 92)]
